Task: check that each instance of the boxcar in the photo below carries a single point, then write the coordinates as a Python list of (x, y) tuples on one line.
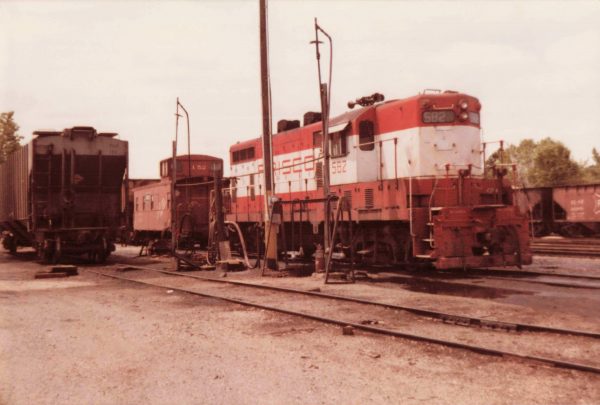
[(61, 193)]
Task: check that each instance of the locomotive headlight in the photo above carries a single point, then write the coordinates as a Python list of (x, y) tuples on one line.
[(463, 104), (463, 116)]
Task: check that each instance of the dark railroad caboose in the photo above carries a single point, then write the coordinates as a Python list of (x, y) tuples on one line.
[(61, 193), (152, 210)]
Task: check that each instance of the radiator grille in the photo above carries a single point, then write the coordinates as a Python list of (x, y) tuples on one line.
[(319, 174), (348, 198), (369, 198)]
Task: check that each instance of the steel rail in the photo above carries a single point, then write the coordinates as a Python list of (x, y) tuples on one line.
[(541, 273), (372, 329), (551, 283), (459, 319)]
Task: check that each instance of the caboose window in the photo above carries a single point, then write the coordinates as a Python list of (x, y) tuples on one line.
[(146, 201), (441, 116), (366, 135)]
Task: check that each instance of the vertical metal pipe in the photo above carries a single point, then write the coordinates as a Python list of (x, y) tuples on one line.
[(99, 191), (187, 120), (325, 96), (173, 181), (271, 230)]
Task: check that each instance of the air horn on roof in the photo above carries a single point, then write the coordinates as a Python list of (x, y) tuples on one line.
[(367, 100)]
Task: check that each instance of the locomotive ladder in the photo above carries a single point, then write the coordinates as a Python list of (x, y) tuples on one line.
[(39, 205), (430, 240)]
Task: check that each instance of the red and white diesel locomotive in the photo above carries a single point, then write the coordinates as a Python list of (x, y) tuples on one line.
[(409, 170)]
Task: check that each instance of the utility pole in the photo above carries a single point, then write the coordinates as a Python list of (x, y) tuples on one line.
[(270, 228), (325, 96)]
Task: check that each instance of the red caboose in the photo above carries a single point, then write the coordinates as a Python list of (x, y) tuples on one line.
[(410, 171), (152, 210)]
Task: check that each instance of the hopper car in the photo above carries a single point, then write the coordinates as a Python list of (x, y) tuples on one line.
[(61, 193), (571, 211)]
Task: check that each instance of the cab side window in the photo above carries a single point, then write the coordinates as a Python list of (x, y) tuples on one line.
[(366, 135)]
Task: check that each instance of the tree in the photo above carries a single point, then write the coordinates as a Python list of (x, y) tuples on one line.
[(591, 173), (553, 166), (9, 139), (544, 163)]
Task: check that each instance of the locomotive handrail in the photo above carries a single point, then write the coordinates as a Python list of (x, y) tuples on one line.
[(195, 184), (298, 164), (374, 142), (282, 167)]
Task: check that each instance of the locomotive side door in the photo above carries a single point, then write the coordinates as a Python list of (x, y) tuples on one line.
[(369, 151)]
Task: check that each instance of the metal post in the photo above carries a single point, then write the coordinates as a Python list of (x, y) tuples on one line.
[(326, 162), (187, 120), (173, 181), (270, 228), (325, 97)]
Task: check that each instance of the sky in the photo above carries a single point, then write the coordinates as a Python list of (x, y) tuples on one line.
[(120, 65)]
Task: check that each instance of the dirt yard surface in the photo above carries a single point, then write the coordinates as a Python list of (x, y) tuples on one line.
[(87, 339)]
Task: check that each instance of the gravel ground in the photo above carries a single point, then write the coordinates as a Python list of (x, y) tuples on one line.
[(92, 340)]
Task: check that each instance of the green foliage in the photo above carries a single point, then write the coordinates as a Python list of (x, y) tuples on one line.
[(546, 163), (9, 139), (553, 165), (591, 173)]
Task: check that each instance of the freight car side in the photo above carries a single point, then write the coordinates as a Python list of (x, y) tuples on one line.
[(14, 196), (577, 209), (572, 210), (72, 187)]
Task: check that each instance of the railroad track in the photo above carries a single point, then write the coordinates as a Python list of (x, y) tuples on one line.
[(588, 247), (525, 276), (487, 329), (552, 279)]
